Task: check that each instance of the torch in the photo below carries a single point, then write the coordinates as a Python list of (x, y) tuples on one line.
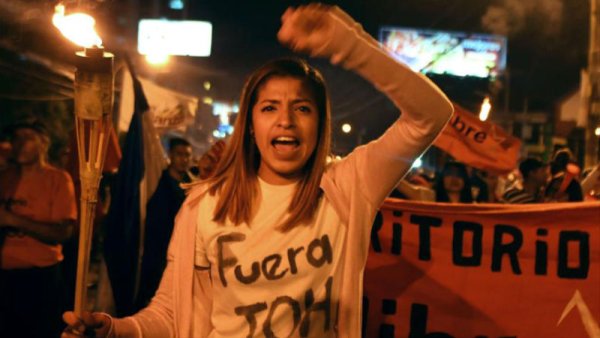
[(93, 109)]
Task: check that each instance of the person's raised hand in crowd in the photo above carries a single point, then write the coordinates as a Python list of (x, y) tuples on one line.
[(96, 324), (208, 161)]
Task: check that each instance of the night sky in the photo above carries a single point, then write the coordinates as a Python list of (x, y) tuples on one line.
[(547, 46)]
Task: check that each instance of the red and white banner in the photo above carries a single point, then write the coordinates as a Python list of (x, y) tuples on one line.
[(443, 270), (482, 145)]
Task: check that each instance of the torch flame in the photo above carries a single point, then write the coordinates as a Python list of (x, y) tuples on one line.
[(77, 27)]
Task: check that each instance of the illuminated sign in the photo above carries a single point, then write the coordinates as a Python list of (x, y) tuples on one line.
[(450, 53), (174, 37), (224, 112)]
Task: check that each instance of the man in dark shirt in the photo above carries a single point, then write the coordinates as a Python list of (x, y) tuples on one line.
[(535, 176), (160, 216)]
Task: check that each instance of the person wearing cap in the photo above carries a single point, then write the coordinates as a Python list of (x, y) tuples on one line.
[(535, 176), (564, 185), (37, 213)]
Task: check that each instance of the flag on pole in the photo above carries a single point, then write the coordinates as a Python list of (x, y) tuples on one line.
[(141, 165), (480, 144), (171, 110)]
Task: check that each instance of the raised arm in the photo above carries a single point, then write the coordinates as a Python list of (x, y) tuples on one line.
[(325, 31)]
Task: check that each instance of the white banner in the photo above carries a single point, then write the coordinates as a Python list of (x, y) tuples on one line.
[(170, 109)]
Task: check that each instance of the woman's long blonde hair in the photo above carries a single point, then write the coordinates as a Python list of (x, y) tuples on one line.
[(235, 177)]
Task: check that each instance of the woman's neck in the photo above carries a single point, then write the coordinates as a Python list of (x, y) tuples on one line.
[(454, 197)]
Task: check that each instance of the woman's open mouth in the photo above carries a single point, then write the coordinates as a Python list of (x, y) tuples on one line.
[(285, 144)]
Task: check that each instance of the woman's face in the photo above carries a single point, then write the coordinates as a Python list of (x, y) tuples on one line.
[(453, 182), (285, 123)]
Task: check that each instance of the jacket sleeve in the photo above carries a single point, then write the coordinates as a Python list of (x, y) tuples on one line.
[(156, 320), (378, 166)]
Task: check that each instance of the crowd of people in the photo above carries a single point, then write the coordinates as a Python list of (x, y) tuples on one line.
[(533, 181), (38, 213), (269, 192)]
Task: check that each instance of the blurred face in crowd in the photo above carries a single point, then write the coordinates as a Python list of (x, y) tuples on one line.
[(453, 182), (5, 152), (209, 160), (540, 176), (28, 146), (180, 156), (285, 122)]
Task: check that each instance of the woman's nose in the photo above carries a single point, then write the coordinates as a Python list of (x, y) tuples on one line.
[(286, 118)]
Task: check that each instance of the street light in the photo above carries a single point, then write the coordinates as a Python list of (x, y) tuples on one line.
[(157, 59), (486, 106), (417, 163), (346, 128)]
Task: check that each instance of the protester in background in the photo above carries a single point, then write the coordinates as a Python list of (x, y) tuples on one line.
[(273, 195), (414, 187), (160, 216), (479, 186), (421, 178), (38, 209), (5, 152), (209, 159), (535, 176), (564, 185), (590, 184), (494, 188), (453, 184), (413, 192)]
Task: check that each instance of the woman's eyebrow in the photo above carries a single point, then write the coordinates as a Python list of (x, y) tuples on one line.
[(302, 100), (299, 100), (268, 101)]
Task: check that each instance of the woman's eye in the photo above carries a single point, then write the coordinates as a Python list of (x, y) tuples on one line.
[(304, 109), (267, 108)]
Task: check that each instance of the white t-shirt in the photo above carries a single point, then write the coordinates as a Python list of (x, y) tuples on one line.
[(270, 283)]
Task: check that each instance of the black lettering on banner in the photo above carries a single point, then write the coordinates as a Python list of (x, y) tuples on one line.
[(311, 306), (292, 258), (419, 314), (418, 323), (424, 223), (377, 224), (460, 228), (511, 248), (396, 237), (365, 315), (388, 308), (479, 137), (396, 232), (581, 271), (249, 311), (227, 262), (295, 315), (541, 253), (251, 278), (271, 272), (462, 128), (326, 252)]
